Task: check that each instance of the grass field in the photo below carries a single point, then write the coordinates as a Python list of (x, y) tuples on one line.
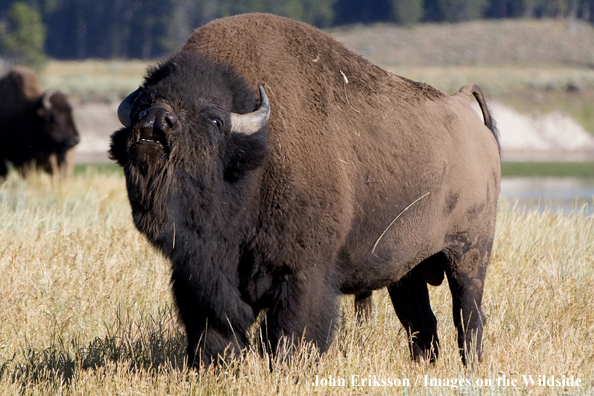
[(85, 308), (85, 303)]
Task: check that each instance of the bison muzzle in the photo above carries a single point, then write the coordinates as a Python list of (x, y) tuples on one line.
[(334, 177)]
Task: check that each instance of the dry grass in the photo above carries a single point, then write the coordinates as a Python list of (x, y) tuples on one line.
[(85, 308)]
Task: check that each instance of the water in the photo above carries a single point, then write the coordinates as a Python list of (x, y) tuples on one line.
[(565, 194)]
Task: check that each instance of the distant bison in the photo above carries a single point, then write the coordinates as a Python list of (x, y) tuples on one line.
[(36, 127), (337, 177)]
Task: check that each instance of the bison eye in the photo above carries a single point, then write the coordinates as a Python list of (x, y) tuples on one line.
[(218, 123)]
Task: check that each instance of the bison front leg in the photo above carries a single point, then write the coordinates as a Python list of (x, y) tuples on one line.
[(68, 162), (305, 309), (211, 345), (53, 167), (410, 298), (466, 278), (214, 316)]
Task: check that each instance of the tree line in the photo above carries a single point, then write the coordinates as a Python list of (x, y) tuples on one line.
[(123, 29)]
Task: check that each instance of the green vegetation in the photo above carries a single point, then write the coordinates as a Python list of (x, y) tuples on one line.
[(91, 170), (115, 29), (24, 36), (407, 12), (553, 169), (462, 10)]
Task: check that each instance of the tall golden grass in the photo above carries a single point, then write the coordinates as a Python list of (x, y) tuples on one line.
[(85, 309)]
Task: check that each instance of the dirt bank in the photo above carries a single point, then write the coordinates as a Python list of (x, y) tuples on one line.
[(523, 137)]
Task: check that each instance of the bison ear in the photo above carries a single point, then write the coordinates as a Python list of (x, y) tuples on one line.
[(245, 153), (118, 150)]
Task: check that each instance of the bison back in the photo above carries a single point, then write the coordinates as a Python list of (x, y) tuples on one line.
[(18, 88)]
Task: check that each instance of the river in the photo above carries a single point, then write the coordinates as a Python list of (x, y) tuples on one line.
[(565, 194)]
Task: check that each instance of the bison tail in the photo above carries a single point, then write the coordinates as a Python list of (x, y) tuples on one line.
[(473, 89)]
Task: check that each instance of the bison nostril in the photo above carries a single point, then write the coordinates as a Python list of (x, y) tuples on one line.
[(154, 125), (171, 119)]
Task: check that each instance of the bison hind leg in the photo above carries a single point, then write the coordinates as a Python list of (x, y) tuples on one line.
[(466, 277), (410, 297)]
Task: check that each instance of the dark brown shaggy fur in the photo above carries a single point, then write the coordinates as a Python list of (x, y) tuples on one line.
[(34, 133), (361, 180)]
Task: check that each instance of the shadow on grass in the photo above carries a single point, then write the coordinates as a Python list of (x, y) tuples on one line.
[(151, 343)]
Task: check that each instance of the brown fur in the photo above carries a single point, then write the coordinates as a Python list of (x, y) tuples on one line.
[(20, 86), (35, 136), (58, 165), (371, 180), (387, 141)]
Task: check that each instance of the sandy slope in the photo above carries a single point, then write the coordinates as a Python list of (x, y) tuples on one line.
[(95, 122), (553, 136), (523, 137)]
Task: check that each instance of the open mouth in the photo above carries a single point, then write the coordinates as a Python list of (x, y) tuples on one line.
[(153, 143), (153, 125), (153, 137)]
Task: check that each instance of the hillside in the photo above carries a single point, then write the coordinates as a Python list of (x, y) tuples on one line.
[(537, 74), (482, 43)]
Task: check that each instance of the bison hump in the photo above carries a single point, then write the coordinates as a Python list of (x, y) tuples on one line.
[(293, 56)]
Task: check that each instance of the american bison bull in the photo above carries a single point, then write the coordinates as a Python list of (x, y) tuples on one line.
[(334, 177), (36, 127)]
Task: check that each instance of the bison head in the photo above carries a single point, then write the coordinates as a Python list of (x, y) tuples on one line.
[(57, 123), (193, 123)]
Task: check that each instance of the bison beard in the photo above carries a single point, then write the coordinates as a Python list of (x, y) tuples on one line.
[(350, 180)]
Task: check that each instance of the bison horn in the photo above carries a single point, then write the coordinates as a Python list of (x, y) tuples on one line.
[(46, 99), (125, 109), (251, 123)]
